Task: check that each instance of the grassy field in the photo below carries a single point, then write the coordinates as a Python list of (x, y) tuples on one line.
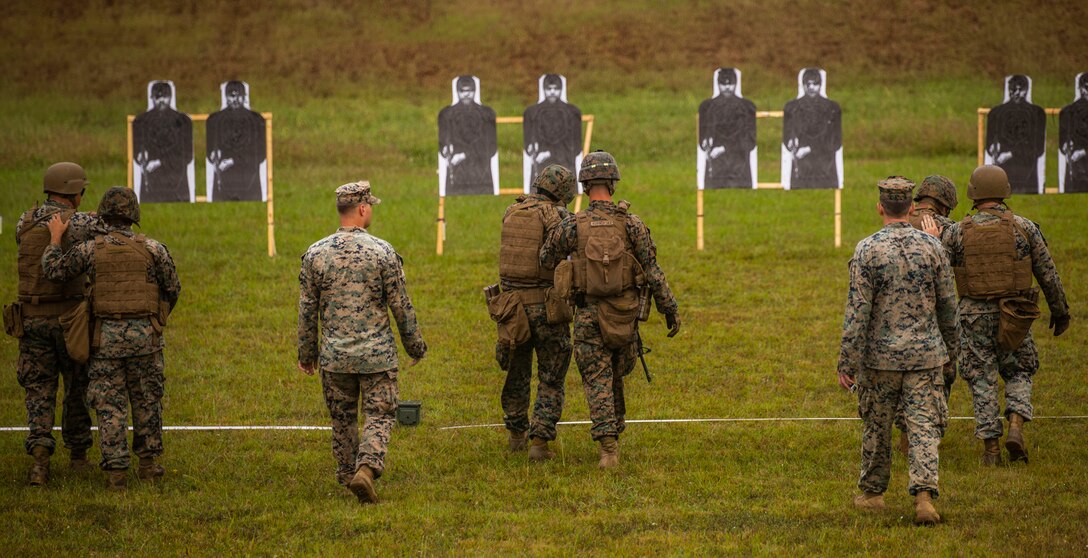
[(355, 91)]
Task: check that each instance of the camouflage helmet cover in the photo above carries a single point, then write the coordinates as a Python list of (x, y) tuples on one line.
[(598, 165), (939, 188), (120, 202), (557, 180), (65, 178), (989, 182)]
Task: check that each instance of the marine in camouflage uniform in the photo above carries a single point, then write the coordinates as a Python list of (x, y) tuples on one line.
[(43, 358), (900, 329), (983, 361), (349, 283), (526, 224), (936, 197), (601, 366), (135, 286)]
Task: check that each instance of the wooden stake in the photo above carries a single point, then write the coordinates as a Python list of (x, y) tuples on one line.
[(699, 220), (441, 224), (268, 161), (982, 112), (130, 178), (838, 217)]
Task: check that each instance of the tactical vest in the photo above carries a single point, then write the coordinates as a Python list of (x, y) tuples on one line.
[(34, 288), (124, 285), (990, 266), (604, 265), (523, 230), (915, 216)]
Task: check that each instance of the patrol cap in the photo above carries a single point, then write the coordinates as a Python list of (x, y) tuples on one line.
[(896, 189), (355, 193), (235, 86), (465, 82)]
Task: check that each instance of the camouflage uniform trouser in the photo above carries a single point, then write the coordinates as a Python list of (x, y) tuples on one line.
[(926, 414), (949, 373), (115, 384), (552, 345), (378, 392), (602, 371), (982, 362), (43, 360)]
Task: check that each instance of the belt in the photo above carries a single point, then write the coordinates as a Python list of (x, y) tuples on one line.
[(49, 309), (532, 296)]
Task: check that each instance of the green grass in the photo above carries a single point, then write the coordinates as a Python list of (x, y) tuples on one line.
[(762, 305)]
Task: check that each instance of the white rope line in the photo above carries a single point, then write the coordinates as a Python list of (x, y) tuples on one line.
[(743, 419), (212, 428)]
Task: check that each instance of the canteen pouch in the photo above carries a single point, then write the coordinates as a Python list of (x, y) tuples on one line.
[(556, 308), (509, 314), (76, 323), (618, 319), (564, 279), (13, 319), (1015, 320)]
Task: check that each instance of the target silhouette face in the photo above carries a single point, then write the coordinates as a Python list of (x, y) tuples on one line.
[(812, 135), (468, 160), (162, 144), (237, 160), (552, 130), (1073, 140), (726, 155), (1016, 137)]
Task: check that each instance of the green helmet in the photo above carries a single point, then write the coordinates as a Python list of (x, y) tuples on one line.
[(120, 202), (65, 178), (598, 164), (939, 188), (557, 180), (989, 182)]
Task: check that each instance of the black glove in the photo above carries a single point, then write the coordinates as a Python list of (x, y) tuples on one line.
[(672, 321), (1059, 324)]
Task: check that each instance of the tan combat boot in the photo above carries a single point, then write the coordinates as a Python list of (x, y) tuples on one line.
[(78, 461), (924, 512), (869, 501), (1015, 441), (610, 452), (538, 451), (39, 470), (149, 470), (518, 441), (904, 443), (362, 486), (116, 480), (991, 455)]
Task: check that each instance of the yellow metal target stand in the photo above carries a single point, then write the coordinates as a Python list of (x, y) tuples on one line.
[(761, 186), (268, 159), (440, 243)]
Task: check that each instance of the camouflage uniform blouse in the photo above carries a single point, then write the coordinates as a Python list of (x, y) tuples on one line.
[(1042, 265), (563, 240), (901, 309), (125, 337), (81, 226), (347, 281)]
